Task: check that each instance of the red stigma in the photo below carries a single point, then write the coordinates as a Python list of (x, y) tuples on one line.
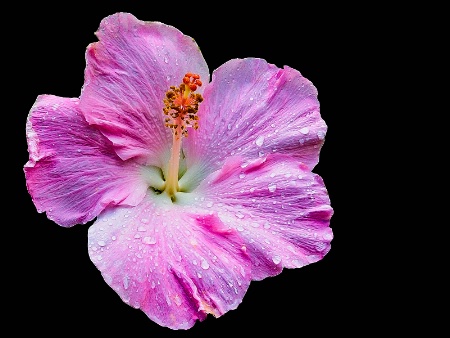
[(192, 80)]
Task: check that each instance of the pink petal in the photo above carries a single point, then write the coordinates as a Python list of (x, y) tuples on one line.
[(73, 172), (127, 75), (175, 263), (251, 109), (281, 210)]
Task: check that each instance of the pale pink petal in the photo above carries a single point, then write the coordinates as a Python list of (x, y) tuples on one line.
[(175, 263), (251, 109), (128, 72), (73, 172), (281, 210)]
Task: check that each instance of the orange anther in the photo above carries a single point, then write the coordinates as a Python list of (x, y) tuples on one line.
[(196, 76), (186, 80), (192, 86), (198, 82)]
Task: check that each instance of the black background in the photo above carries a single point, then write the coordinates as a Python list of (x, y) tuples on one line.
[(54, 287)]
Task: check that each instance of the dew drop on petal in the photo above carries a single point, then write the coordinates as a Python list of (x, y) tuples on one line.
[(142, 229), (328, 236), (259, 141), (276, 259), (101, 243), (272, 187), (204, 265), (177, 300), (149, 240), (321, 134), (242, 175), (239, 215), (304, 130), (297, 263)]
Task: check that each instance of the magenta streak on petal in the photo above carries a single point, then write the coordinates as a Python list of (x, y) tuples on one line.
[(281, 210), (175, 263), (73, 172), (252, 109), (127, 75)]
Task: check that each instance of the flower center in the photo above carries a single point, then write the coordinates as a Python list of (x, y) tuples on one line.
[(180, 108)]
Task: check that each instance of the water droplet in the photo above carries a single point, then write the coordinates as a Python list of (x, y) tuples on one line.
[(328, 236), (144, 220), (261, 154), (304, 130), (259, 141), (125, 282), (149, 240), (239, 215), (101, 243), (297, 263), (242, 175), (321, 134), (229, 126), (204, 265), (113, 238), (209, 204), (255, 225), (142, 229), (166, 60), (272, 187), (266, 225), (276, 259), (239, 228), (177, 300), (137, 236)]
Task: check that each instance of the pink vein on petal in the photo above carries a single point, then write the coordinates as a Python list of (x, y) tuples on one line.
[(253, 108), (73, 173), (128, 72), (176, 264), (281, 210)]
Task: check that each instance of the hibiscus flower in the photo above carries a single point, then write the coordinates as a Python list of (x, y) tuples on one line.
[(197, 186)]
